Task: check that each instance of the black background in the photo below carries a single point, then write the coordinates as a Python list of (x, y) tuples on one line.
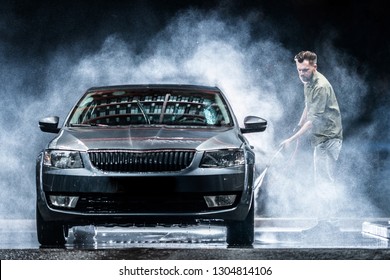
[(33, 30)]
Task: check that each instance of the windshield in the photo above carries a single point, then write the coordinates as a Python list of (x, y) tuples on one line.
[(151, 106)]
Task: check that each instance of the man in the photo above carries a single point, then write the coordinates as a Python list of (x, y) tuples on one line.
[(321, 118)]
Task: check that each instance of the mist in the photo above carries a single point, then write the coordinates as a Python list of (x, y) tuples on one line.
[(256, 72)]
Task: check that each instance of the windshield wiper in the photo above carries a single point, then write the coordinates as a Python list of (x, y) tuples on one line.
[(146, 116)]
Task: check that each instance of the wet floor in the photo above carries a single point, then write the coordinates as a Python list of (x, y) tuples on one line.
[(269, 233)]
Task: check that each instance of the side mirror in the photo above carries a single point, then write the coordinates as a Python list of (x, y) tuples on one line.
[(49, 124), (254, 124)]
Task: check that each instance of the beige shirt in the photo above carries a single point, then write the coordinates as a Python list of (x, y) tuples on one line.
[(322, 109)]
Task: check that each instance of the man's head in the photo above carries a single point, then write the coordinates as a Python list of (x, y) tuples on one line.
[(306, 62)]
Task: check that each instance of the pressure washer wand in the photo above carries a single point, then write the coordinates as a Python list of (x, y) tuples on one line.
[(274, 156), (259, 180)]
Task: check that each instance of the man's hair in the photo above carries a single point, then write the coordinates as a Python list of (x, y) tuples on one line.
[(306, 55)]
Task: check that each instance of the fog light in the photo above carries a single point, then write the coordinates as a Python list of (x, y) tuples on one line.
[(64, 201), (219, 200)]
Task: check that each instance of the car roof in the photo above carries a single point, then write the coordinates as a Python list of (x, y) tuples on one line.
[(156, 86)]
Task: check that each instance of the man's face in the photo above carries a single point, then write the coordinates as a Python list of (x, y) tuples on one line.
[(305, 70)]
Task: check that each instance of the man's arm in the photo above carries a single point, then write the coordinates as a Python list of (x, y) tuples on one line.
[(303, 126), (303, 118)]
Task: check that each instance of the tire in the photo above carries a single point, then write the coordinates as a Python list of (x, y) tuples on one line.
[(241, 233), (50, 233)]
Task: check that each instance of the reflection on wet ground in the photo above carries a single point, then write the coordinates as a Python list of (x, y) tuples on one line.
[(269, 233)]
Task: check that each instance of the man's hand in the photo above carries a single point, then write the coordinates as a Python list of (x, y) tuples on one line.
[(299, 130)]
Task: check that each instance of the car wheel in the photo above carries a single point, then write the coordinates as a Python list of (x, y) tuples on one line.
[(50, 233), (241, 233)]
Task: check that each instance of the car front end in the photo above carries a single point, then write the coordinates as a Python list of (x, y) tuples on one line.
[(146, 185), (147, 154)]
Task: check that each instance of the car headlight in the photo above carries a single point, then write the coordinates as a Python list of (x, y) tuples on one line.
[(223, 158), (62, 159)]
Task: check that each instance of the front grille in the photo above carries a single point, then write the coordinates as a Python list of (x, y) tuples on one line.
[(141, 161)]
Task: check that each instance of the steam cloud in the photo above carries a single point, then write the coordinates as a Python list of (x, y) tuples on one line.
[(257, 74)]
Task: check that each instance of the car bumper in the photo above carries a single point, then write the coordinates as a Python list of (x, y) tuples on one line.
[(106, 198)]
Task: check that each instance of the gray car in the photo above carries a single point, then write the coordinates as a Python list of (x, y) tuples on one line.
[(147, 155)]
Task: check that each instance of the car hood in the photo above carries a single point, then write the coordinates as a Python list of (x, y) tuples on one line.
[(144, 138)]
